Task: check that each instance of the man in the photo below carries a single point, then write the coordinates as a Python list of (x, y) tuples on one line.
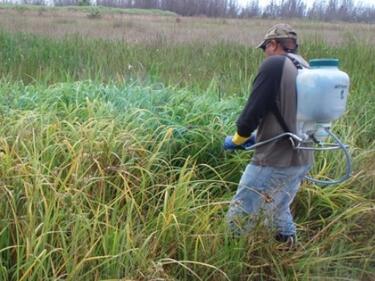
[(271, 181)]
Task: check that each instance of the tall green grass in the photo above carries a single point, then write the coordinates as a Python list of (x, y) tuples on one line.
[(103, 182), (229, 66), (31, 58), (122, 176)]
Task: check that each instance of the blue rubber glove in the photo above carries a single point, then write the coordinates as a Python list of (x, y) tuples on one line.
[(230, 145)]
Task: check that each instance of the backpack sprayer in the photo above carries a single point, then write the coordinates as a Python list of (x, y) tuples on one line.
[(322, 92)]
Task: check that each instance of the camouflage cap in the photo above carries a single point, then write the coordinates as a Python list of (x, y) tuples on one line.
[(281, 30)]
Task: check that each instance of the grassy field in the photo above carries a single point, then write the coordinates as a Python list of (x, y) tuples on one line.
[(112, 165)]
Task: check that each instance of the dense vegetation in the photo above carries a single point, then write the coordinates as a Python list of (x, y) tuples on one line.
[(112, 166)]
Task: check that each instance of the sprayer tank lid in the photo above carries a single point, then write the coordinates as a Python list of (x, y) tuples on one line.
[(324, 62)]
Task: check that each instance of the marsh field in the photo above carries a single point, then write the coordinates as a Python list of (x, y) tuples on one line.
[(111, 159)]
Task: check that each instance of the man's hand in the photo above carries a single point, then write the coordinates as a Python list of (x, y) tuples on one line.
[(249, 142), (229, 145)]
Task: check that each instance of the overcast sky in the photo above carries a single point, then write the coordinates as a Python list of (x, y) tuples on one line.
[(265, 2)]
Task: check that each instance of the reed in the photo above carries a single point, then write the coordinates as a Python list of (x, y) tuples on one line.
[(105, 181)]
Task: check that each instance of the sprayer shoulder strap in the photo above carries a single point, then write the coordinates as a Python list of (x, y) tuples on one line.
[(275, 109), (296, 63), (279, 117)]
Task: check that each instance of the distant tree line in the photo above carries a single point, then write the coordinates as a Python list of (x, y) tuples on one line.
[(329, 10)]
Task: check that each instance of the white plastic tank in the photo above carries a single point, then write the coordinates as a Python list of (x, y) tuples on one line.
[(322, 92)]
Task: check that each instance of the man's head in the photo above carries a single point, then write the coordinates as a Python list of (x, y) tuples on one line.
[(279, 39)]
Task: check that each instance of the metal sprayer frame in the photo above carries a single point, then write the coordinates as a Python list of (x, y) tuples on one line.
[(298, 143)]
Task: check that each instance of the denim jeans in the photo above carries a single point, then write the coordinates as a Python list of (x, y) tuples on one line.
[(264, 195)]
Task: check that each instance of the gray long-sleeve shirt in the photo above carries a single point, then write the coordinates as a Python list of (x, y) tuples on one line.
[(274, 86)]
